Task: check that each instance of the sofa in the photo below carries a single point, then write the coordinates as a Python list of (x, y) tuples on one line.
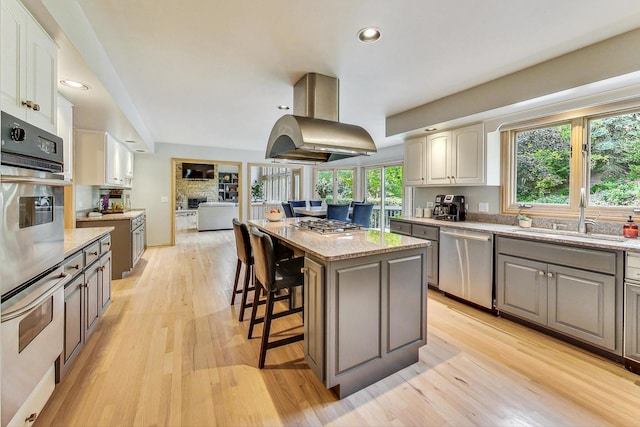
[(216, 215)]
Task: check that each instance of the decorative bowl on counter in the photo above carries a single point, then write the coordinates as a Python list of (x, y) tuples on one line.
[(274, 215)]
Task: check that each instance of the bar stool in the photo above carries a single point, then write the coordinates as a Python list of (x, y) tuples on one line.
[(243, 250), (273, 277)]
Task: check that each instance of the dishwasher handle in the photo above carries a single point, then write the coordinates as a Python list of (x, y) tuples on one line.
[(485, 238)]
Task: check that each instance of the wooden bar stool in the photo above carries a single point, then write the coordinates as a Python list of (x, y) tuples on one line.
[(243, 250), (273, 277)]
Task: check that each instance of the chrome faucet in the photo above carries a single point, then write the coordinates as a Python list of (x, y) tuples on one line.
[(582, 221)]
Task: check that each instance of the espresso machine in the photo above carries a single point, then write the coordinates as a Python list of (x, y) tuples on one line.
[(449, 207)]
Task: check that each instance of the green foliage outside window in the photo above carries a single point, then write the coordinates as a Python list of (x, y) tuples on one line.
[(544, 161), (615, 160)]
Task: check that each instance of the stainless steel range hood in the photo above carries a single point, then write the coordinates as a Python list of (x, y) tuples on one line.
[(313, 133)]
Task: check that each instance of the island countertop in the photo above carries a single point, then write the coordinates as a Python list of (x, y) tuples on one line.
[(337, 246)]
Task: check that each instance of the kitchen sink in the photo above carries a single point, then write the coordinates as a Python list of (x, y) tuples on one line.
[(553, 233)]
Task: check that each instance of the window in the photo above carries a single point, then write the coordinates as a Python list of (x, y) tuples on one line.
[(279, 183), (339, 184), (543, 164), (550, 160), (614, 161)]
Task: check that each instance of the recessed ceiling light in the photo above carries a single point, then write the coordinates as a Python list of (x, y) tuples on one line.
[(283, 107), (368, 34), (74, 84), (430, 129)]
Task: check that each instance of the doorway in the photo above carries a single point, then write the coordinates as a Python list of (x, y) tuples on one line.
[(383, 188), (194, 181)]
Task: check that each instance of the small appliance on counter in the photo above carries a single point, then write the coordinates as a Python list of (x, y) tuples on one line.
[(114, 200), (449, 207)]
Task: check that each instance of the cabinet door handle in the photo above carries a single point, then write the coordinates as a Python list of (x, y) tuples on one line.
[(549, 274), (93, 253), (541, 273), (75, 267), (36, 107)]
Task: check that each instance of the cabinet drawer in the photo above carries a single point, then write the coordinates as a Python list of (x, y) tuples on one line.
[(74, 263), (570, 256), (424, 231), (105, 244), (400, 227), (91, 253)]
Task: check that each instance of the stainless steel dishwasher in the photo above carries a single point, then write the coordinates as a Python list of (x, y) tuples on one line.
[(466, 265)]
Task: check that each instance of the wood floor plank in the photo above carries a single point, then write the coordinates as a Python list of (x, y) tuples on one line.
[(169, 351)]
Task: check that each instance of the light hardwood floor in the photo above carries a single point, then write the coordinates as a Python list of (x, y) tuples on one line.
[(170, 352)]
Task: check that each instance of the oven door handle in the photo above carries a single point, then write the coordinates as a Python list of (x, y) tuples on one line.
[(63, 279), (8, 179)]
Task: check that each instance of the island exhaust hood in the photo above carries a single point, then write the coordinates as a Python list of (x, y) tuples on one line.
[(313, 133)]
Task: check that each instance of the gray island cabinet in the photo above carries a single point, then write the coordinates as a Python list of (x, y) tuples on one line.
[(365, 296)]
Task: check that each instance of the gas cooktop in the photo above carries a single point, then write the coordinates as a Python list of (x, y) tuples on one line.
[(326, 226)]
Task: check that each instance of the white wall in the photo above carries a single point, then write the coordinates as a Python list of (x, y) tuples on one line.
[(152, 182)]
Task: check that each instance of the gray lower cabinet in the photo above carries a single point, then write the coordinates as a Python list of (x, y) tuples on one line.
[(127, 241), (86, 297), (422, 231), (576, 302), (91, 298), (369, 317), (73, 313), (522, 288), (400, 227), (632, 322), (314, 303), (104, 281)]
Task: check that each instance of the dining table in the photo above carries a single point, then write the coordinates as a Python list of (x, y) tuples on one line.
[(317, 211)]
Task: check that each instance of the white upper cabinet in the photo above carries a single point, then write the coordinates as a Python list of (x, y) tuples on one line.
[(28, 68), (102, 160), (65, 131), (415, 161), (457, 157)]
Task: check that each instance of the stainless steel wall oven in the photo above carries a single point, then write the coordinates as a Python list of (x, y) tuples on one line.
[(31, 251)]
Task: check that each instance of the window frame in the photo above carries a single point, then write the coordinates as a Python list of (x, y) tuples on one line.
[(579, 164)]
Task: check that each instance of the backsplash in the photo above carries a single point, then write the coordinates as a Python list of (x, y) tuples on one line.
[(601, 227)]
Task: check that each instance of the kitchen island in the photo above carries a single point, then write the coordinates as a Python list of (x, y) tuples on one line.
[(364, 301)]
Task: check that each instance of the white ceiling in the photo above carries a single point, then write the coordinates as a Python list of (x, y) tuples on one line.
[(211, 72)]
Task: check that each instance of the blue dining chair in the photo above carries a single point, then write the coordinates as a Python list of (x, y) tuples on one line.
[(315, 202), (288, 210), (298, 204), (338, 212), (362, 214)]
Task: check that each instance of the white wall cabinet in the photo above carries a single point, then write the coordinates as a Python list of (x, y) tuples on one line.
[(456, 157), (65, 131), (28, 68), (100, 159), (414, 171)]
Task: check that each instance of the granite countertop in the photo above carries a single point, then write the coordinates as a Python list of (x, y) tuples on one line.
[(601, 241), (77, 238), (338, 246), (114, 216)]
